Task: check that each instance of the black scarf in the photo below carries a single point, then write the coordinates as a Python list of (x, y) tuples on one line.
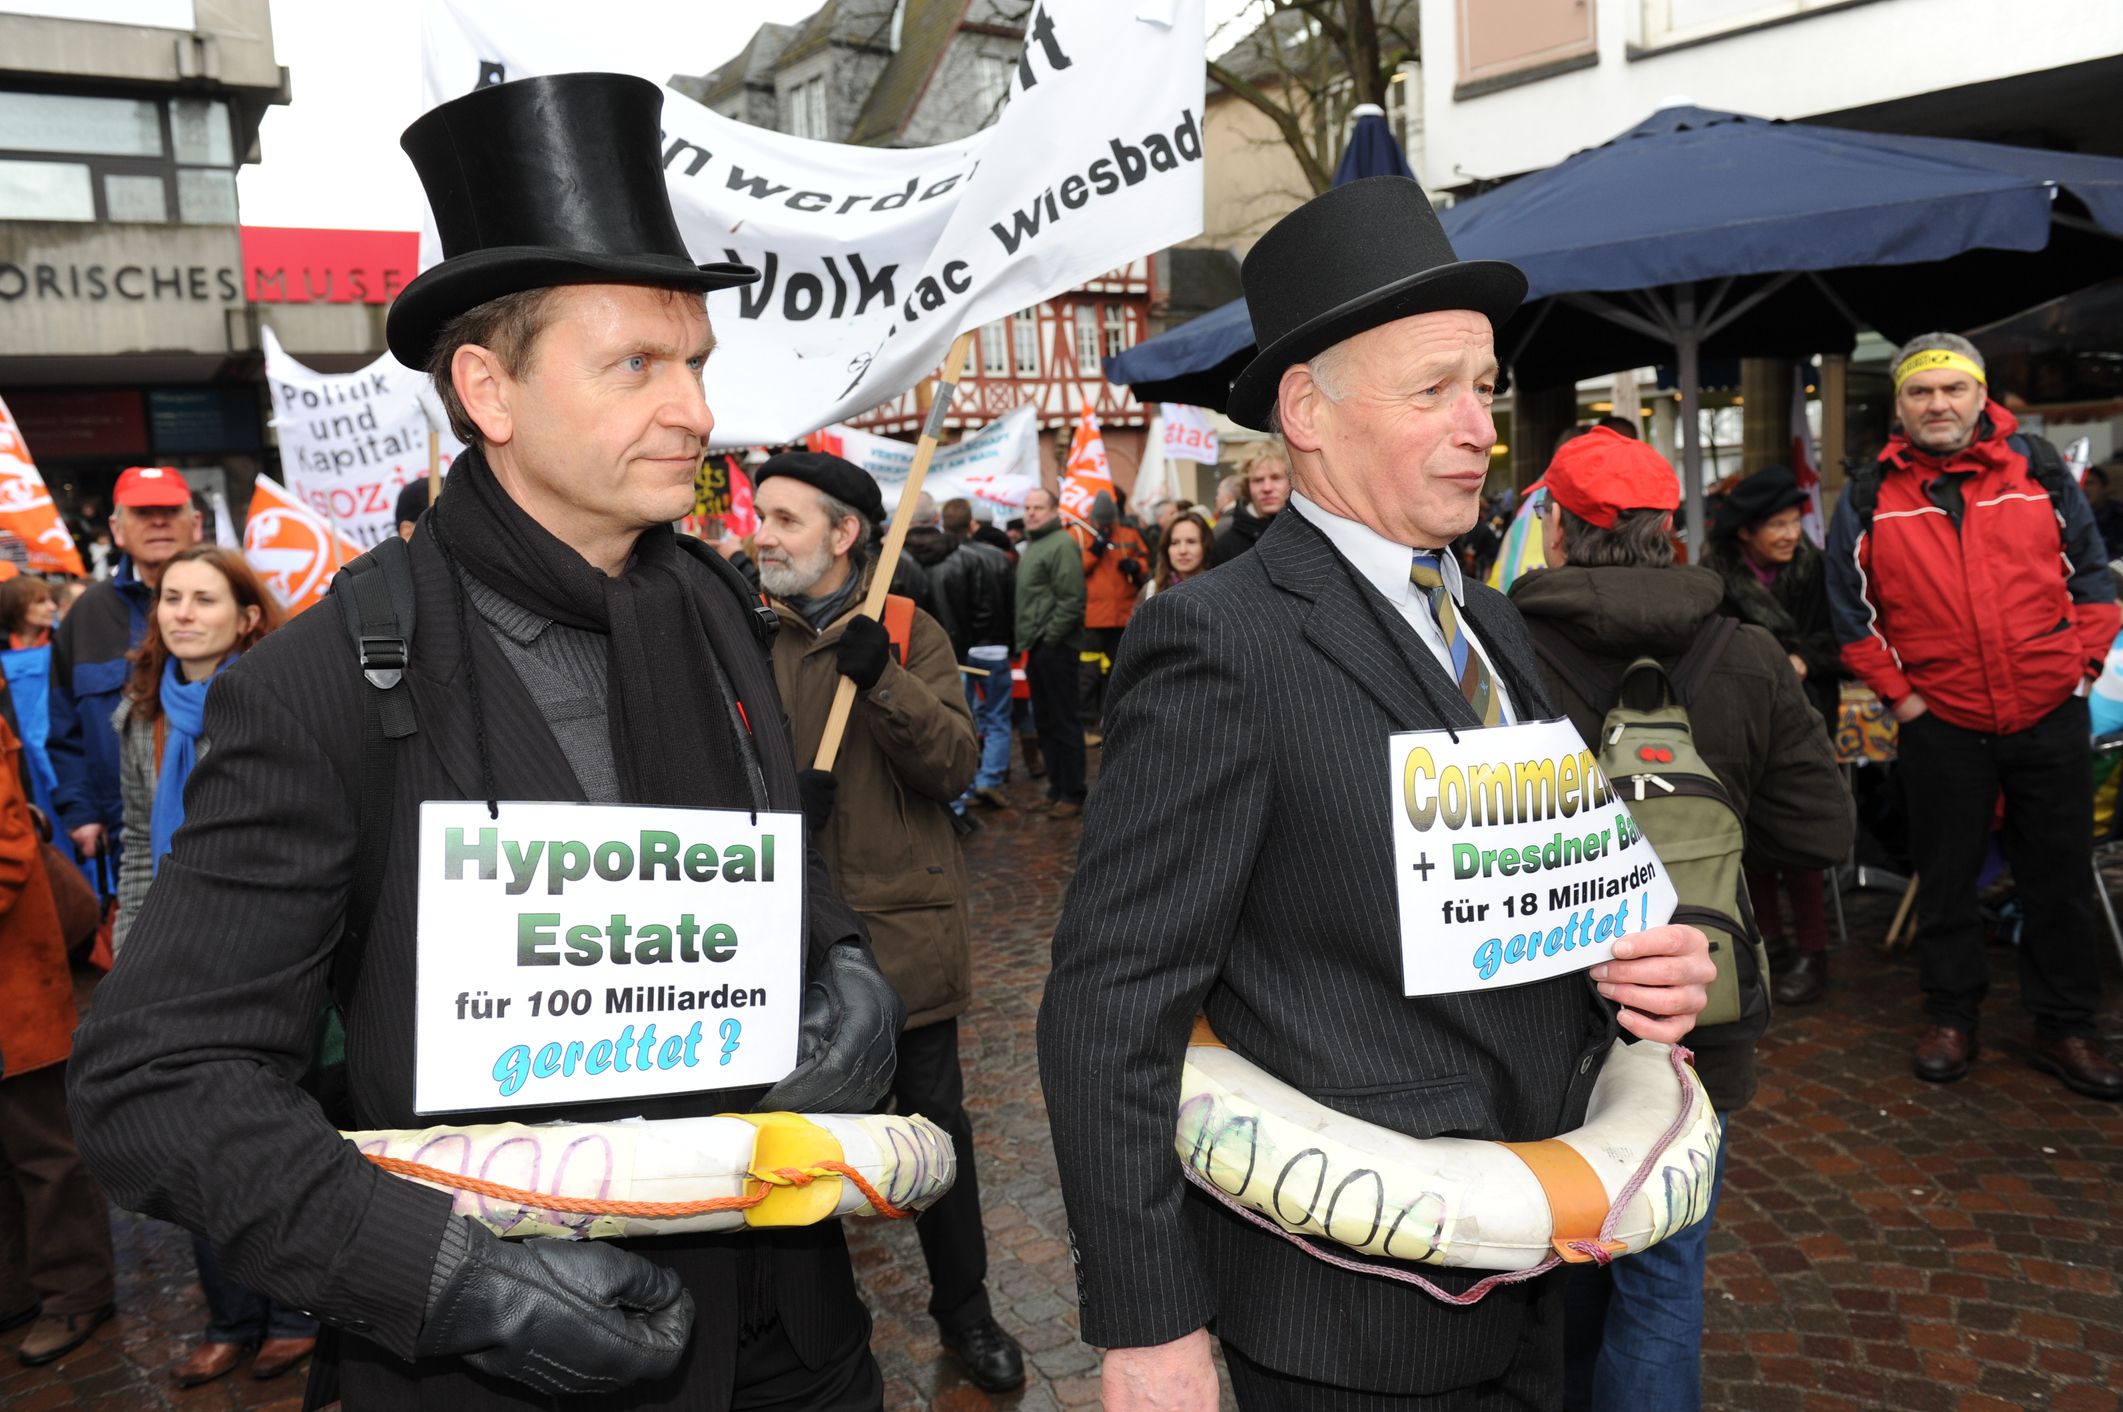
[(673, 739)]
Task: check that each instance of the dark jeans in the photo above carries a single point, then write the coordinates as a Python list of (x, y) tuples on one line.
[(953, 1244), (239, 1314), (1101, 647), (1050, 670), (1809, 911), (55, 1231), (1953, 778)]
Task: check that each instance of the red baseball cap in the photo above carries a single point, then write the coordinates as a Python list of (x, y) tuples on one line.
[(1602, 473), (142, 487)]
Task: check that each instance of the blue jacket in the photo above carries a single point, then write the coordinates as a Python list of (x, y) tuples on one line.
[(88, 679)]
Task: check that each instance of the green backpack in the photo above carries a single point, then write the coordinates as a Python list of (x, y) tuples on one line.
[(1647, 749)]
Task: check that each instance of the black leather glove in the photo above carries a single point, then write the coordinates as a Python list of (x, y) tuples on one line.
[(818, 789), (1100, 544), (1132, 571), (848, 1047), (561, 1316), (863, 650)]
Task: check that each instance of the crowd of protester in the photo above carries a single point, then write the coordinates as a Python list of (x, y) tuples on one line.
[(997, 668)]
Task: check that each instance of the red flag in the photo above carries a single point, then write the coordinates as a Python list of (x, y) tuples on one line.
[(291, 546), (741, 519), (26, 509)]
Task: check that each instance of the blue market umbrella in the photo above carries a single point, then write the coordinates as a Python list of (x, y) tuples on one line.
[(1195, 362), (1700, 233)]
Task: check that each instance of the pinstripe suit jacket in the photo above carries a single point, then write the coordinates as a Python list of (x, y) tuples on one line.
[(1237, 861), (183, 1085)]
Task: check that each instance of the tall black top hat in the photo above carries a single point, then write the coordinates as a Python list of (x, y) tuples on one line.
[(544, 181), (1351, 259)]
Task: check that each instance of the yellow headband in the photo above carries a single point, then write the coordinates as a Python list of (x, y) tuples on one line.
[(1932, 358)]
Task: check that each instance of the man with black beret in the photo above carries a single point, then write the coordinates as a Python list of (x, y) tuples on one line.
[(563, 645), (1237, 859), (883, 820)]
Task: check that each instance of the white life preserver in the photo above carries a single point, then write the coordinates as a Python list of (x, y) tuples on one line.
[(672, 1176), (1637, 1171)]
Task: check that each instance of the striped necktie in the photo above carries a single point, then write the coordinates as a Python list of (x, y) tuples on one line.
[(1476, 684)]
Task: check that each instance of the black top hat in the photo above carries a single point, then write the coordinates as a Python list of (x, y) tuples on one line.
[(1350, 259), (544, 181)]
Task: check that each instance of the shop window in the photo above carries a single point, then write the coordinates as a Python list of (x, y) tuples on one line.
[(90, 127), (1503, 37), (206, 198), (136, 198), (46, 191)]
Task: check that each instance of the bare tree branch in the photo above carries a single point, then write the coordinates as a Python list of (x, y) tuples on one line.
[(1286, 121)]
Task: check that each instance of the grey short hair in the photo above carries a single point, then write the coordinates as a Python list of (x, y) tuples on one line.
[(1330, 373), (1640, 539), (1945, 342)]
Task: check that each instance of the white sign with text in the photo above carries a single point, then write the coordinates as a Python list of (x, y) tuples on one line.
[(1514, 860), (575, 953)]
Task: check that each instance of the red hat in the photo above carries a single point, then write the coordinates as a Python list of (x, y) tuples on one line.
[(1602, 473), (142, 487)]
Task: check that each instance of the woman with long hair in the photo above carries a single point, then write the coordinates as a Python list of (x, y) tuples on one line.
[(27, 611), (1182, 551), (209, 610)]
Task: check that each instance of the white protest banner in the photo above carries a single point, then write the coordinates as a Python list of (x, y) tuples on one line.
[(871, 259), (1515, 861), (1189, 434), (998, 463), (571, 953), (350, 441)]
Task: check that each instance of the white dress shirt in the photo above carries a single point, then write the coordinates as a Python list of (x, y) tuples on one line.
[(1385, 565)]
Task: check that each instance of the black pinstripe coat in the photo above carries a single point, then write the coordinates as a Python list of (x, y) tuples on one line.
[(1237, 861), (183, 1082)]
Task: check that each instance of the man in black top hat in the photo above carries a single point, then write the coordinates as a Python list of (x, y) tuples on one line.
[(565, 645), (1237, 859)]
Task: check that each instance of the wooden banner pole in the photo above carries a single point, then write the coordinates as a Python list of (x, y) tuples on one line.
[(434, 464), (896, 536)]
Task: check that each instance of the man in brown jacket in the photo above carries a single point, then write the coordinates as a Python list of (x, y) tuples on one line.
[(882, 818)]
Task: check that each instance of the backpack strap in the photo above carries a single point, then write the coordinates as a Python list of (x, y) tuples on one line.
[(1701, 658), (1862, 490), (375, 596), (2044, 462), (762, 619), (1594, 685)]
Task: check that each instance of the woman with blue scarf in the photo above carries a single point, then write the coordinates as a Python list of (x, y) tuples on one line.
[(209, 610)]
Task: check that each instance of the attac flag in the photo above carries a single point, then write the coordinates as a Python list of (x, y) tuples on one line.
[(1087, 473), (292, 547), (26, 509)]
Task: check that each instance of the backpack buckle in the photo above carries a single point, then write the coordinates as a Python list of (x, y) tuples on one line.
[(383, 661)]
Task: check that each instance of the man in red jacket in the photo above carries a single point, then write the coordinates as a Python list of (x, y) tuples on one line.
[(1970, 589)]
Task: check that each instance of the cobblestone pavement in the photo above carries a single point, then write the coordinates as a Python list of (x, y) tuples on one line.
[(1881, 1243)]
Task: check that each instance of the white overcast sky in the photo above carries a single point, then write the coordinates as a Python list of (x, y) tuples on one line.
[(331, 157)]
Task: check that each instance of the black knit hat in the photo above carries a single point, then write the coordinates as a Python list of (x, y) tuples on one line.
[(842, 480), (1769, 491), (544, 181), (412, 499), (1348, 260)]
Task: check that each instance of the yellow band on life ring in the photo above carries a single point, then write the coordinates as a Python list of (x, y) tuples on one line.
[(1576, 1201)]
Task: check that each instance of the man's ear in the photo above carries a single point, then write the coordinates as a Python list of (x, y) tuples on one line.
[(1301, 403), (483, 387), (846, 531)]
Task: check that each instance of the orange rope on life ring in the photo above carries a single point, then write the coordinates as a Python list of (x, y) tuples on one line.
[(586, 1206)]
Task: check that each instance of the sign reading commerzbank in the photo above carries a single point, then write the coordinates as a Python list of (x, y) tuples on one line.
[(1515, 862), (577, 953)]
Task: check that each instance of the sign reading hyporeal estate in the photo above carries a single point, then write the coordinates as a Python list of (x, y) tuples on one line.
[(872, 259), (1515, 861), (575, 953)]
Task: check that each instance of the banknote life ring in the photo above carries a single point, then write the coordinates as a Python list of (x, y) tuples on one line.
[(1637, 1171), (674, 1176)]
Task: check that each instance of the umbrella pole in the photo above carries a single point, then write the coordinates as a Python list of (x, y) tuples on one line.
[(1687, 343)]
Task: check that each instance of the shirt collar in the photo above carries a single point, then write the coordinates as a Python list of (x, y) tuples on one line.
[(519, 624), (1382, 562)]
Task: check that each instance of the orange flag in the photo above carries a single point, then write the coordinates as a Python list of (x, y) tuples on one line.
[(26, 509), (291, 546), (1087, 473)]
